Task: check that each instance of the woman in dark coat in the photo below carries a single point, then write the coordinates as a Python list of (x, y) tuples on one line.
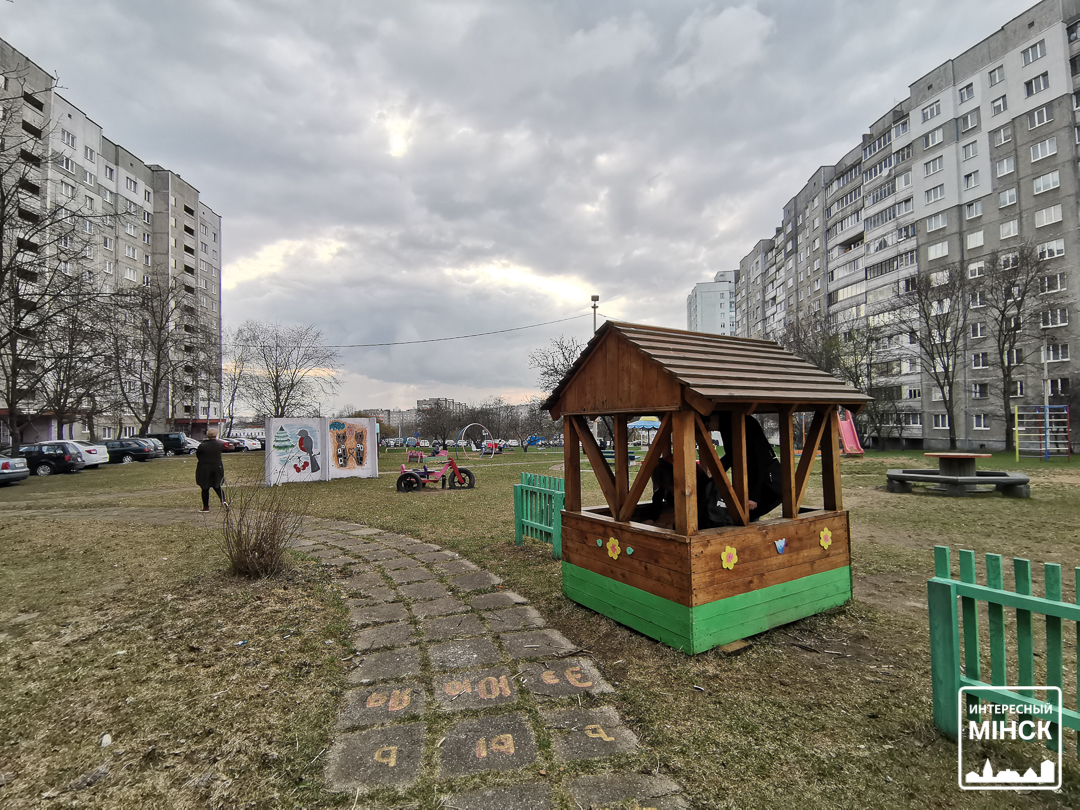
[(210, 472)]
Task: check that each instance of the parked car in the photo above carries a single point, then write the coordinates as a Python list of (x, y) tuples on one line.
[(124, 451), (12, 469), (157, 449), (243, 443), (93, 454), (192, 444), (175, 443), (46, 458), (229, 446)]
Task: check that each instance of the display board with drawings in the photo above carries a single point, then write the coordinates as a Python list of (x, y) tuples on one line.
[(353, 448), (320, 449)]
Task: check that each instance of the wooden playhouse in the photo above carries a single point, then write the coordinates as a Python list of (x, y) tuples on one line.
[(696, 589)]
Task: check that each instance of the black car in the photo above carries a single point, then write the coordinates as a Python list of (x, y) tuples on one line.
[(175, 443), (46, 458), (124, 451)]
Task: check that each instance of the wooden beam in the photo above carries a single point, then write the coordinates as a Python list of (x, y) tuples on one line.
[(737, 452), (685, 464), (660, 445), (622, 461), (571, 467), (787, 462), (604, 475), (811, 443), (712, 463), (830, 461), (696, 401)]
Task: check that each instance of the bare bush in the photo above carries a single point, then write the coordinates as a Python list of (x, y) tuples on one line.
[(260, 525)]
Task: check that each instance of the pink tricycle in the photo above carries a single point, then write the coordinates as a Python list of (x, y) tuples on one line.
[(459, 477)]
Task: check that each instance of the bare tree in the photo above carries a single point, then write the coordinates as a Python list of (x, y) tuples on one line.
[(46, 240), (234, 360), (933, 309), (554, 360), (289, 370), (1004, 298), (147, 338)]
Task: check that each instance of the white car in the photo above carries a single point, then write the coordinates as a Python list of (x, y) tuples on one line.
[(244, 443), (92, 454)]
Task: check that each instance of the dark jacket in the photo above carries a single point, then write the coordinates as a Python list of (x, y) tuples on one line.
[(760, 462), (209, 472)]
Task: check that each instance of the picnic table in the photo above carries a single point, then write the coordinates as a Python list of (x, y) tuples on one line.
[(956, 463)]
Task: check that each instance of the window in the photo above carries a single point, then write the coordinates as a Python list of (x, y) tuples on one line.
[(1007, 197), (1059, 387), (1043, 149), (976, 269), (936, 222), (981, 421), (936, 193), (89, 154), (132, 185), (970, 121), (970, 150), (980, 360), (971, 179), (66, 163), (146, 238), (997, 75), (1055, 317), (999, 105), (205, 230), (1036, 118), (974, 240), (978, 330), (1047, 182), (1056, 352), (1014, 357), (88, 178), (980, 391), (978, 299), (89, 203), (937, 251), (1036, 51), (900, 129), (973, 209), (109, 267), (148, 196), (110, 173), (67, 138), (1051, 250), (204, 247), (130, 229), (1036, 85), (146, 259), (87, 226), (67, 189), (933, 166), (967, 92), (106, 195), (130, 274), (1010, 229), (941, 421), (1016, 388), (1005, 166), (1003, 135), (932, 111), (932, 138), (1048, 216), (108, 243), (1052, 283), (146, 217)]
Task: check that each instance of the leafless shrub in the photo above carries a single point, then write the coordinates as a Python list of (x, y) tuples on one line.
[(259, 526)]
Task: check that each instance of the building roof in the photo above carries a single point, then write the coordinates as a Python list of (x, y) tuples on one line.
[(636, 368)]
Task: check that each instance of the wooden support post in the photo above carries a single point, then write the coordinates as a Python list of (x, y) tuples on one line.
[(737, 451), (788, 495), (622, 462), (716, 470), (685, 465), (645, 471), (830, 461), (571, 466)]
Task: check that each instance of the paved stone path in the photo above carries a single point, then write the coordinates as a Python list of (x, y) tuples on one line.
[(456, 676)]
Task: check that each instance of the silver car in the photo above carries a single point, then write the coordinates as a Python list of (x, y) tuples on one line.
[(12, 470)]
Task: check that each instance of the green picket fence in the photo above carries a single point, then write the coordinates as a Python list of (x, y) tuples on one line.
[(538, 504), (947, 631)]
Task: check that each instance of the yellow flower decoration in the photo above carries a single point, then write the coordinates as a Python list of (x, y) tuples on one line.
[(825, 538), (729, 558), (613, 549)]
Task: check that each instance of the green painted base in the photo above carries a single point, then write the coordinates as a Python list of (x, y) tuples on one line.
[(694, 630)]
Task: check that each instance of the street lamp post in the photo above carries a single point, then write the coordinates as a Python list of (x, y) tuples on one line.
[(595, 298)]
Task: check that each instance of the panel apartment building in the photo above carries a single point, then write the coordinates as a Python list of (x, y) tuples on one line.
[(710, 307), (141, 221), (981, 157)]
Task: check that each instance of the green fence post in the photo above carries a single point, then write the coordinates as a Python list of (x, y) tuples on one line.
[(1054, 648), (944, 646), (518, 538)]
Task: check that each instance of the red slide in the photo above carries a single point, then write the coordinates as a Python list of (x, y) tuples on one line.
[(848, 436)]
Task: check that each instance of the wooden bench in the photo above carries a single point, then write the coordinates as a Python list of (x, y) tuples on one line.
[(1011, 485)]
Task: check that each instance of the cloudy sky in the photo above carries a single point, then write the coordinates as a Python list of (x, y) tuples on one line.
[(394, 171)]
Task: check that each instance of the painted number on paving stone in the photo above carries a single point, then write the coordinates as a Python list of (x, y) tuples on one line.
[(387, 755), (395, 701), (573, 677), (487, 688), (503, 744)]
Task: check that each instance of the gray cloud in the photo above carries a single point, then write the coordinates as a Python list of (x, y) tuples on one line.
[(422, 169)]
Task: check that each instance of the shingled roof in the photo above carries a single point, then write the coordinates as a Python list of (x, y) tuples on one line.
[(650, 368)]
